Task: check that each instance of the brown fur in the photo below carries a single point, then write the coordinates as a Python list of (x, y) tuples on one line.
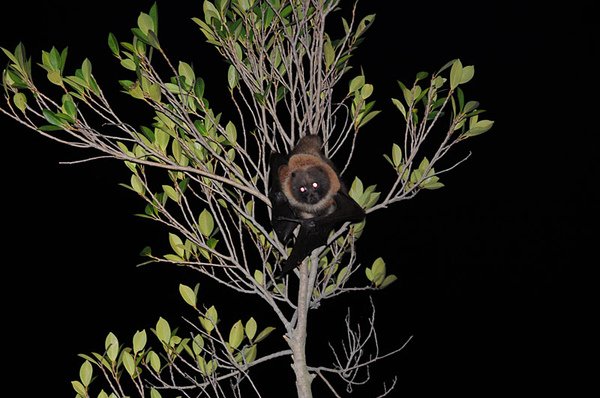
[(305, 155)]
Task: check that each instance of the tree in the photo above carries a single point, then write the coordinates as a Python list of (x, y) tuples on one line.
[(205, 177)]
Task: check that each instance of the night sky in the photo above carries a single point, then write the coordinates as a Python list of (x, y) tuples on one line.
[(493, 272)]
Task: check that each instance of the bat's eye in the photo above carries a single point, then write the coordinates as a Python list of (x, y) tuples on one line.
[(315, 185), (302, 189)]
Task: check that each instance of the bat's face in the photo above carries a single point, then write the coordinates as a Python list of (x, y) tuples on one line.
[(310, 186)]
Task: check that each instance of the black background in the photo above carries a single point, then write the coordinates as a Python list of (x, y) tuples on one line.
[(494, 281)]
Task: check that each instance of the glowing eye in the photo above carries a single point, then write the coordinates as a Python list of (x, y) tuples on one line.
[(302, 189), (315, 185)]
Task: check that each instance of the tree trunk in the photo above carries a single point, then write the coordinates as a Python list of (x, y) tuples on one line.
[(297, 340)]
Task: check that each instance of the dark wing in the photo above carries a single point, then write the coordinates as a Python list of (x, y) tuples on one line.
[(280, 205), (314, 231)]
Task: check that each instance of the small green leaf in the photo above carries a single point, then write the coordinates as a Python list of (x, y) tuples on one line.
[(79, 388), (154, 393), (206, 223), (265, 332), (139, 341), (479, 127), (251, 328), (188, 294), (258, 277), (177, 244), (456, 74), (113, 44), (128, 63), (154, 360), (329, 53), (231, 132), (400, 106), (171, 193), (198, 344), (378, 271), (128, 362), (111, 345), (388, 280), (145, 23), (86, 70), (366, 91), (356, 84), (236, 334), (341, 276), (250, 353), (396, 155), (20, 101), (210, 319), (467, 74), (85, 373), (210, 12), (163, 330), (52, 118), (185, 70), (356, 189), (232, 77)]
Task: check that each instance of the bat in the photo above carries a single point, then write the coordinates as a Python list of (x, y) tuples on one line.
[(306, 190)]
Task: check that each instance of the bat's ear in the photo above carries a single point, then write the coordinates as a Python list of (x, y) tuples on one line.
[(283, 172)]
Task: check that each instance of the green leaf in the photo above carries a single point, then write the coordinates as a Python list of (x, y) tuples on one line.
[(154, 360), (210, 12), (113, 44), (55, 78), (210, 319), (231, 132), (387, 281), (206, 223), (86, 70), (145, 23), (479, 127), (111, 345), (137, 184), (154, 393), (185, 70), (177, 244), (329, 53), (251, 328), (341, 276), (52, 118), (85, 373), (139, 341), (236, 334), (258, 277), (79, 388), (400, 106), (469, 106), (232, 77), (128, 362), (456, 74), (378, 271), (197, 344), (366, 91), (467, 74), (265, 332), (396, 155), (163, 330), (356, 189), (250, 353), (356, 84), (20, 101), (188, 294), (129, 64)]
